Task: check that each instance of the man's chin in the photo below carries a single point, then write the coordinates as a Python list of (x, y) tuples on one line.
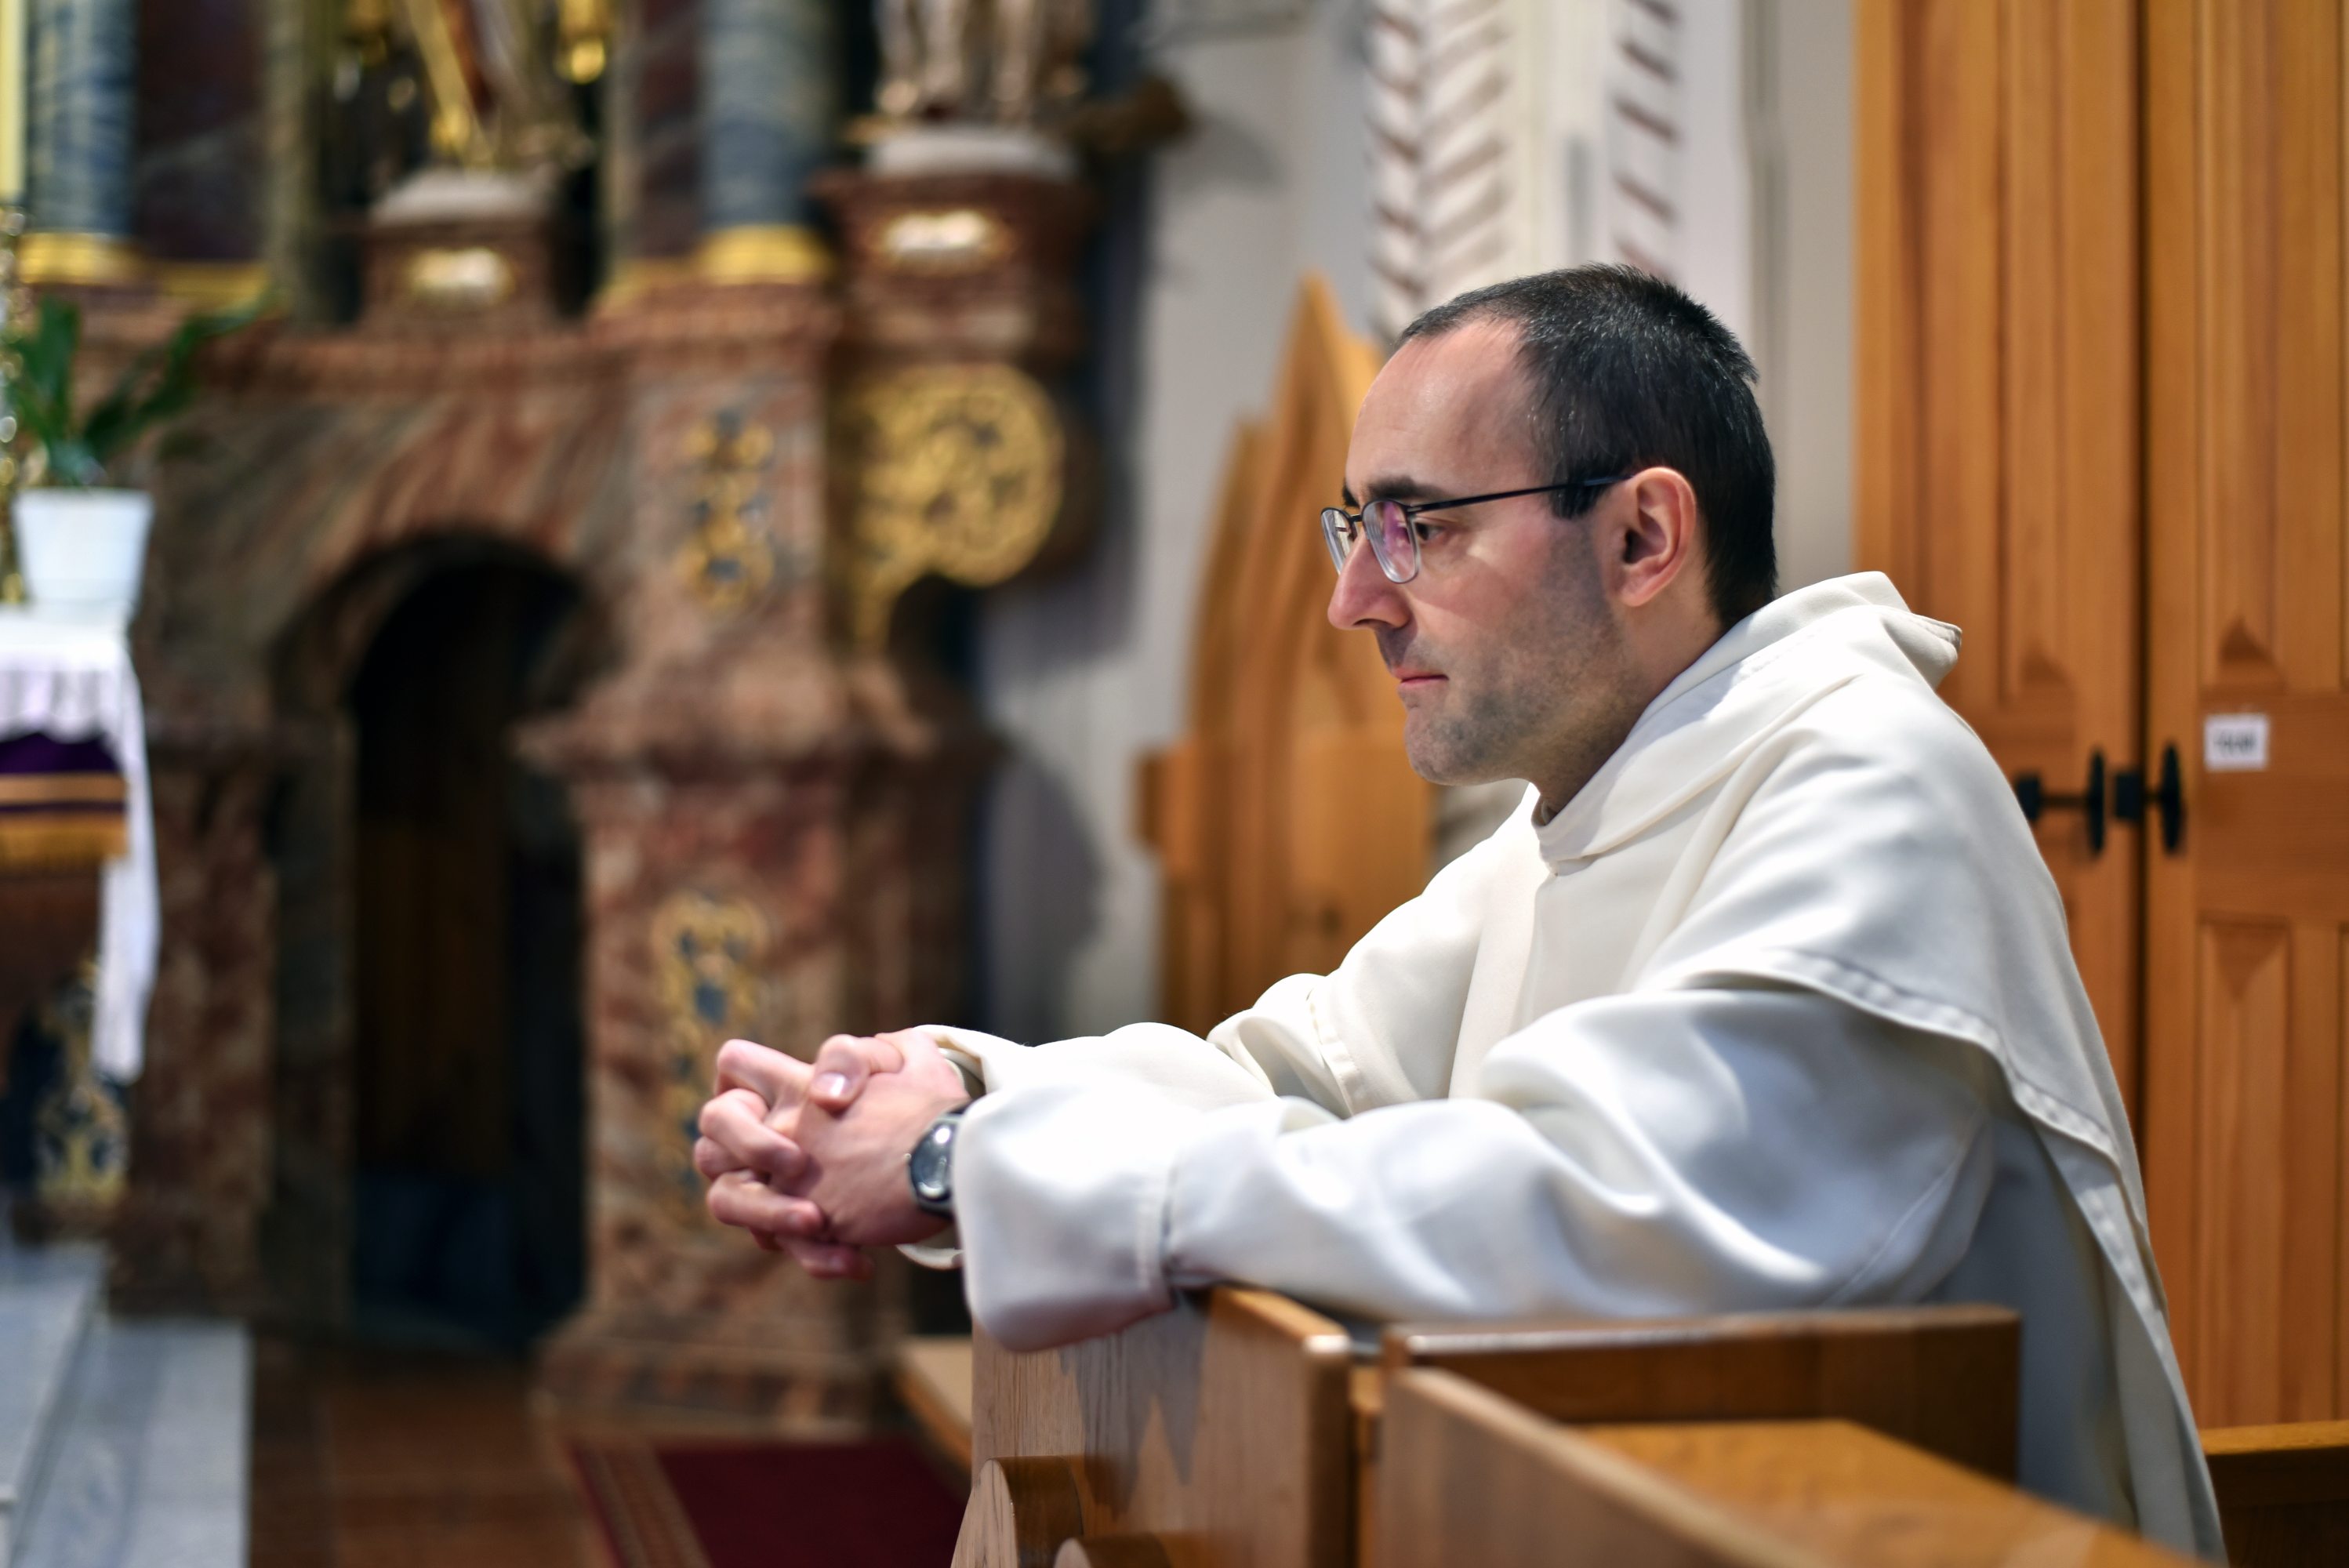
[(1439, 758)]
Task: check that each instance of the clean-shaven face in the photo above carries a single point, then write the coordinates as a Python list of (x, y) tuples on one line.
[(1505, 648)]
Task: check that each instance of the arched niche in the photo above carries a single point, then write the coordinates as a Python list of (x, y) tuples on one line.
[(427, 1108)]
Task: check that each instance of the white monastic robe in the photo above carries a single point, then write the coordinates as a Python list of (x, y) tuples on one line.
[(1777, 1011)]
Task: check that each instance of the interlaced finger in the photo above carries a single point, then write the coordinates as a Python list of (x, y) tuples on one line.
[(740, 1199), (844, 1062), (831, 1260), (736, 1122), (773, 1077)]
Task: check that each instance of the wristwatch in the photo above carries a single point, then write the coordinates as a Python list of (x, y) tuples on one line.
[(930, 1170)]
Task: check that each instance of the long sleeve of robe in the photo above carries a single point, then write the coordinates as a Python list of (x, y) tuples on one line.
[(1777, 1011), (1682, 1152)]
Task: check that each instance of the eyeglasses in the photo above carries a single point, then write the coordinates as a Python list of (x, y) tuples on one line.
[(1393, 528)]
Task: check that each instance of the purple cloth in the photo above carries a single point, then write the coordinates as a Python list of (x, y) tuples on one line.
[(36, 753)]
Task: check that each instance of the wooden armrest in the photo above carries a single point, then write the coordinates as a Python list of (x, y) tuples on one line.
[(1945, 1378)]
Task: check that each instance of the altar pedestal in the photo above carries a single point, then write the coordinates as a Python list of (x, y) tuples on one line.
[(773, 834)]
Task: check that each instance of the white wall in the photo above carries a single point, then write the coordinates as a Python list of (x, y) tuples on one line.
[(1803, 70), (1085, 672)]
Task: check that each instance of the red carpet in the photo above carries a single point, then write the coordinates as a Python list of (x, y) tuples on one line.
[(770, 1505)]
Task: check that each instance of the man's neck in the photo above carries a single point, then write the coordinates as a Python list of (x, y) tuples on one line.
[(1598, 742), (1648, 674)]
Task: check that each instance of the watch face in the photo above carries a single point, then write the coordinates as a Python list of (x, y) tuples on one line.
[(931, 1171)]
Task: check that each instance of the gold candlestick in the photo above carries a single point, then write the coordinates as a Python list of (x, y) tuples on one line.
[(17, 311)]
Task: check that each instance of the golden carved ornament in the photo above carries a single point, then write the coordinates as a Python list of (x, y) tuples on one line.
[(458, 280), (67, 256), (957, 472), (728, 560), (762, 253), (944, 242), (709, 963), (82, 1131)]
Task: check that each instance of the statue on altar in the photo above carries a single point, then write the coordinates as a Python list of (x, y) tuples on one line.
[(1003, 62), (496, 78)]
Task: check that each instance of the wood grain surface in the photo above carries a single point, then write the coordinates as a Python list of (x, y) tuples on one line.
[(1999, 438), (1944, 1379), (2283, 1491), (1222, 1427), (2247, 924), (1468, 1476)]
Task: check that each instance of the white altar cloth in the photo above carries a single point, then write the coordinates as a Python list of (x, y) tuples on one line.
[(72, 680)]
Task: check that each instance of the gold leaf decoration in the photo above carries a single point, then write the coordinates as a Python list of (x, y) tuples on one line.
[(709, 960), (728, 560), (957, 472)]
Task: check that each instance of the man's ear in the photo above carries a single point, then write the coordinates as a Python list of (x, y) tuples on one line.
[(1655, 537)]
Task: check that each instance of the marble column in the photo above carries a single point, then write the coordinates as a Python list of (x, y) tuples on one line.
[(84, 62), (770, 112)]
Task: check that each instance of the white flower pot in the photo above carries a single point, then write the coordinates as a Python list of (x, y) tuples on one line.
[(83, 551)]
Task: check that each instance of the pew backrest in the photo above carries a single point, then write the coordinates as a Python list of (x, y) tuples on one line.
[(2283, 1492), (1943, 1378), (1467, 1475)]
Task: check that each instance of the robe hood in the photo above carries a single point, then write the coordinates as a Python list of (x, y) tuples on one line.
[(1763, 669), (1935, 910)]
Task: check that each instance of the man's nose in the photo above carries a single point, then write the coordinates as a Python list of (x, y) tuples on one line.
[(1363, 596)]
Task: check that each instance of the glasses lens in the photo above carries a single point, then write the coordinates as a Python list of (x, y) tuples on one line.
[(1392, 540), (1337, 533)]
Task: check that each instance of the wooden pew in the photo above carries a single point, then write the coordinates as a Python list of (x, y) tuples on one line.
[(2283, 1492), (1243, 1429), (1218, 1432), (1944, 1379), (1470, 1476)]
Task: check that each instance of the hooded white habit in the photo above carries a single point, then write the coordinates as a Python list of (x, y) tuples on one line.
[(1777, 1011)]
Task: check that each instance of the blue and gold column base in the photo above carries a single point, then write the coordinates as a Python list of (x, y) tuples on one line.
[(763, 254)]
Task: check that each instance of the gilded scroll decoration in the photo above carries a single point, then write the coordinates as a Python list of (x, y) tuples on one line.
[(729, 559), (709, 958), (957, 472), (81, 1131)]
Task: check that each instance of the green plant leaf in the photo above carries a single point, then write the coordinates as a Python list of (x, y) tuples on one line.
[(161, 382), (45, 349), (40, 392)]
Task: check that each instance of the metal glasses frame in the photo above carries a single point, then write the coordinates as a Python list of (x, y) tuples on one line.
[(1394, 537)]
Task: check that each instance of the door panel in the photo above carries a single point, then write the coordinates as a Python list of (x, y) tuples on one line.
[(2246, 920), (1999, 417)]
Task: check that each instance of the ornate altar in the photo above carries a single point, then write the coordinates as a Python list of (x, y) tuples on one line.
[(724, 476)]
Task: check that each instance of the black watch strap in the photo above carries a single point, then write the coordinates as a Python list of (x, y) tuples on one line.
[(929, 1169)]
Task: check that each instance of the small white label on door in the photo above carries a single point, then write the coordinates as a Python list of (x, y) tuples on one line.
[(2235, 742)]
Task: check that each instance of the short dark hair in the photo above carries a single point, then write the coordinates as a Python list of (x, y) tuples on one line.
[(1629, 371)]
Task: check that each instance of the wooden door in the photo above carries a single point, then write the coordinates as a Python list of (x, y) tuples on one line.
[(1999, 400), (2247, 922)]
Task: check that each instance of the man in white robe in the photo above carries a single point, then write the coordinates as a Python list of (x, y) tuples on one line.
[(1762, 1000)]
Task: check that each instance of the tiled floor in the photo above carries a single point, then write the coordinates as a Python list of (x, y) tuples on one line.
[(47, 1300), (148, 1470), (376, 1460)]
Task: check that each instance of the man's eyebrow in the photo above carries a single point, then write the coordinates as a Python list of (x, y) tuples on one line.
[(1398, 487)]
